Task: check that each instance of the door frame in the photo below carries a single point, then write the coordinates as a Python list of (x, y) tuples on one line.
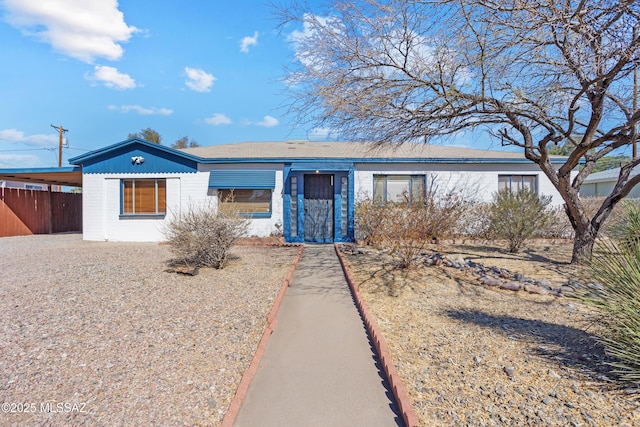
[(343, 227)]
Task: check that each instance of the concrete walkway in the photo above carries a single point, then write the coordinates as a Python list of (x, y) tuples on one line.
[(319, 368)]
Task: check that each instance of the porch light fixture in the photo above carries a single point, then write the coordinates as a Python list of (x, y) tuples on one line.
[(317, 171)]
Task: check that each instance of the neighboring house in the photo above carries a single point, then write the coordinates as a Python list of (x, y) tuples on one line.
[(306, 189), (600, 184)]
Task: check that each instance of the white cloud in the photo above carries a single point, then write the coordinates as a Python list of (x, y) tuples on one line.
[(82, 29), (19, 160), (218, 119), (199, 80), (320, 134), (268, 122), (111, 77), (248, 41), (15, 136), (143, 110)]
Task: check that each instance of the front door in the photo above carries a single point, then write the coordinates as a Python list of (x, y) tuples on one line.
[(318, 208)]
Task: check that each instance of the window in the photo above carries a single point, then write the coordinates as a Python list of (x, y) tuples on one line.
[(256, 203), (144, 196), (344, 209), (396, 187), (294, 205), (518, 182)]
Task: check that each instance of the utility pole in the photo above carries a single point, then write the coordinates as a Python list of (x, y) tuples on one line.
[(61, 130)]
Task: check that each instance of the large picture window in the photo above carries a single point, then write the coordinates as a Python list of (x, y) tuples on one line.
[(396, 188), (144, 196), (254, 203), (517, 183)]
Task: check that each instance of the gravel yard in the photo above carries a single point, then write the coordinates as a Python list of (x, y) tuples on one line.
[(96, 333), (473, 355)]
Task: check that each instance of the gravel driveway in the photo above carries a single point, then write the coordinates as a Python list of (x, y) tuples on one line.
[(96, 333)]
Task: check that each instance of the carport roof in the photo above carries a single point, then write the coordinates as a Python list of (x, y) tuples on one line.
[(69, 176)]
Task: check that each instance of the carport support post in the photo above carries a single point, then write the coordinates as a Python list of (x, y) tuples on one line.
[(50, 210)]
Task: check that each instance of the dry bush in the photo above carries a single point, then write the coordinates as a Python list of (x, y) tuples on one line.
[(370, 218), (559, 226), (203, 235), (405, 227), (618, 214), (475, 222)]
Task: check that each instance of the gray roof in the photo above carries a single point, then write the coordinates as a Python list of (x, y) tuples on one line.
[(344, 150), (608, 175)]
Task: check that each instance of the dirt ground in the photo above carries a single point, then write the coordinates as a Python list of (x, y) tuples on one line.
[(476, 355)]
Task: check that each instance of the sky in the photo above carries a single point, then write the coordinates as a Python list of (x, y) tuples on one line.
[(102, 69)]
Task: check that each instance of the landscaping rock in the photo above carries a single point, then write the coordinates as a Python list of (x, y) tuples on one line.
[(490, 281), (510, 371), (543, 282), (512, 285), (534, 289)]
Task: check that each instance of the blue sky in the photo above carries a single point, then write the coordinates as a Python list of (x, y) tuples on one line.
[(102, 69)]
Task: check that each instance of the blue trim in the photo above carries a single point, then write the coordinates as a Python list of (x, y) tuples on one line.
[(345, 160), (322, 166), (448, 160), (256, 214), (142, 216), (242, 179), (6, 171)]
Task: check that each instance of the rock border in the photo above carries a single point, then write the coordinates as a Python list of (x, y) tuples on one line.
[(492, 276)]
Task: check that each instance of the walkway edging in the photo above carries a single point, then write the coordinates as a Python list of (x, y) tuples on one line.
[(236, 403), (409, 415)]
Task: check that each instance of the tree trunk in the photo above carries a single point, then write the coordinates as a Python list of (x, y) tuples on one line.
[(583, 244)]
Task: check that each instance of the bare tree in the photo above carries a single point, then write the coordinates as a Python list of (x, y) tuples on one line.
[(185, 143), (148, 134), (532, 73)]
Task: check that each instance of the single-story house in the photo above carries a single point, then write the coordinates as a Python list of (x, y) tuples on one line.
[(600, 184), (304, 190)]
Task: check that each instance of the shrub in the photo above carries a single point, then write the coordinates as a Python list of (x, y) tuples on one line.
[(370, 218), (616, 295), (203, 235), (405, 227), (518, 216), (475, 221), (559, 226)]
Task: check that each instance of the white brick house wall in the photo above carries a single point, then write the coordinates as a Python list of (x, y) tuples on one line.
[(101, 206), (476, 181)]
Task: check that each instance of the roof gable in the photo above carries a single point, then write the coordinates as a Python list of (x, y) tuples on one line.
[(136, 156)]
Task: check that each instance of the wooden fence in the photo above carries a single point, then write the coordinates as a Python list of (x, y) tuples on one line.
[(24, 212)]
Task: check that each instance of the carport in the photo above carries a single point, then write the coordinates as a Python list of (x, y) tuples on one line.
[(25, 212), (68, 176)]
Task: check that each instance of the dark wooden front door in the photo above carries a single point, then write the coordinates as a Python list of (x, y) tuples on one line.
[(318, 208)]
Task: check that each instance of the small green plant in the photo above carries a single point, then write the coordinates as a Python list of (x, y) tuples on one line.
[(203, 235), (616, 295), (518, 216)]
